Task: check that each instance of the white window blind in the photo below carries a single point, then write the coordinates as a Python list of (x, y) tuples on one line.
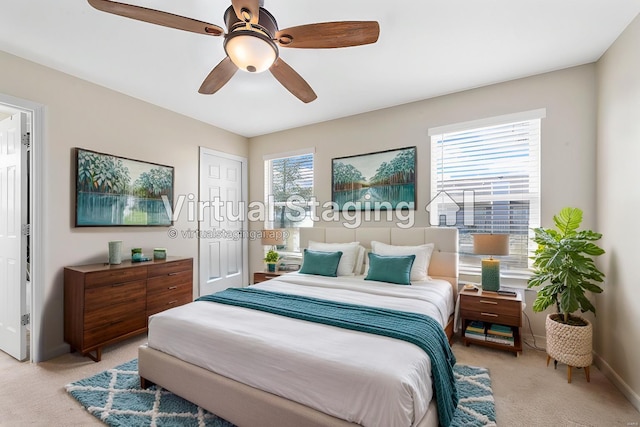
[(487, 180), (288, 190)]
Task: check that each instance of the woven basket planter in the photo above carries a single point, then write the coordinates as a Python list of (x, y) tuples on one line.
[(571, 345)]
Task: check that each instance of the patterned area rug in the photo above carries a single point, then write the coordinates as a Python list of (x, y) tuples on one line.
[(115, 397)]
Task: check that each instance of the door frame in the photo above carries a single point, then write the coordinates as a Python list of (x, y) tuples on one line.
[(245, 194), (36, 215)]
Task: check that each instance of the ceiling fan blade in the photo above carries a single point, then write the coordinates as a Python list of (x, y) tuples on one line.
[(157, 17), (218, 77), (326, 35), (251, 6), (292, 81)]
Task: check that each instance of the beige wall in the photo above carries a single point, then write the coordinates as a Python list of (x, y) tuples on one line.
[(568, 143), (81, 114), (617, 341), (568, 132)]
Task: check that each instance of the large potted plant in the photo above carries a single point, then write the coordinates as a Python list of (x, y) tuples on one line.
[(564, 268)]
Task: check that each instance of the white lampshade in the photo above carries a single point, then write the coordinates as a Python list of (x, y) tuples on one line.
[(250, 52), (273, 237), (491, 244)]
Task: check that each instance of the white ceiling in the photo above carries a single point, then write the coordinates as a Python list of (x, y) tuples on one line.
[(426, 48)]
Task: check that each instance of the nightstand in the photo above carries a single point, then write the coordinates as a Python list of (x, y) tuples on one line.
[(261, 276), (492, 308)]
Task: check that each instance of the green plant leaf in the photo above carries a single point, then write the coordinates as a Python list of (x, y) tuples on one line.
[(541, 303), (585, 304), (568, 220), (592, 249)]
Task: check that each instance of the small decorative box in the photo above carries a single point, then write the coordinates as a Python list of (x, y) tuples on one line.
[(159, 253)]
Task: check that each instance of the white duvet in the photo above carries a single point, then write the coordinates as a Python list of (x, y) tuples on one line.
[(363, 378)]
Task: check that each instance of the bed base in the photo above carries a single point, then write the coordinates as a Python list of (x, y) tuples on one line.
[(448, 329), (238, 403)]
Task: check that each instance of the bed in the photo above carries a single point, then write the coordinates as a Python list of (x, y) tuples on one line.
[(259, 369)]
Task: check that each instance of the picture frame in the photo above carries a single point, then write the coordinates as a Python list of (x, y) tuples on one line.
[(375, 181), (114, 191)]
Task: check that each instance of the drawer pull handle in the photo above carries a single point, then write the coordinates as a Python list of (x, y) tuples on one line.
[(173, 287), (172, 302), (115, 285), (489, 314), (482, 301)]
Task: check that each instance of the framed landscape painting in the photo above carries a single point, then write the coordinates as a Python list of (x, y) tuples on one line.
[(375, 181), (116, 191)]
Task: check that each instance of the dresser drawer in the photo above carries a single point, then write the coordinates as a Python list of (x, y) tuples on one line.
[(120, 275), (110, 295), (170, 268), (115, 313), (168, 285), (165, 300), (163, 282), (114, 329), (491, 305)]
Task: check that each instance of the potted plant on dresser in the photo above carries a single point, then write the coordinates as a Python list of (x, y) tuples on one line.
[(565, 269)]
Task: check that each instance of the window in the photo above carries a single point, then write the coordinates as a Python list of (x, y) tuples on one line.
[(288, 192), (485, 178)]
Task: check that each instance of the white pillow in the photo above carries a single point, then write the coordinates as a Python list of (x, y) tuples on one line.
[(420, 264), (349, 257), (360, 260)]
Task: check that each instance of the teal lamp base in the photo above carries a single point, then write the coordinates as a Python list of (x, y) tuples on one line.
[(490, 274)]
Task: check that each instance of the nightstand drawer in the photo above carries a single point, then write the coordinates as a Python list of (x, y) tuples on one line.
[(490, 317), (491, 305), (261, 276)]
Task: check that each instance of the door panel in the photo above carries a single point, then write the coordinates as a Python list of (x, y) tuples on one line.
[(13, 214), (222, 247), (214, 261)]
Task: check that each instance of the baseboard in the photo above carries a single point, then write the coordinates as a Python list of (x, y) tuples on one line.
[(54, 352), (541, 341), (617, 381)]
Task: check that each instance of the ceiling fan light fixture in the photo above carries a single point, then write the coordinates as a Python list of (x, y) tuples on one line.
[(250, 51)]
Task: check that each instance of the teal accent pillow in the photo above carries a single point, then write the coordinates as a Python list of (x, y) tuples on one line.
[(390, 269), (320, 263)]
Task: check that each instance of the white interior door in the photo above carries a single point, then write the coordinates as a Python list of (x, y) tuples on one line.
[(13, 215), (223, 246)]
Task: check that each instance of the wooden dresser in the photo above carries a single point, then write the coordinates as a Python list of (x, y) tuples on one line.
[(104, 304)]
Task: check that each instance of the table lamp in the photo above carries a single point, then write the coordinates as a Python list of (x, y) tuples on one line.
[(273, 238), (492, 245)]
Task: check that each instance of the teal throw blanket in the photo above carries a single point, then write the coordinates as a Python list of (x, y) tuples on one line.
[(417, 329)]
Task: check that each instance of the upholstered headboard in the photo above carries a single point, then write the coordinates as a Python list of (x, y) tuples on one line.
[(444, 260)]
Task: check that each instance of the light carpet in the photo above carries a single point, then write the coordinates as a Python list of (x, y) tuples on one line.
[(114, 396)]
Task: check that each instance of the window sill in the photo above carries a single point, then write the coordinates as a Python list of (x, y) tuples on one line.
[(507, 279)]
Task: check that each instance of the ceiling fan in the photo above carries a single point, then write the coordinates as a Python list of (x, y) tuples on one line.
[(253, 38)]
